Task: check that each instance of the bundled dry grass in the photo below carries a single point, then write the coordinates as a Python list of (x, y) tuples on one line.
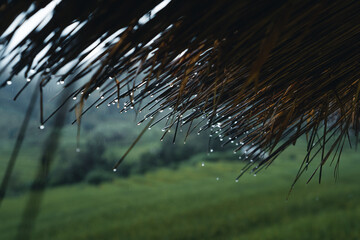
[(257, 73)]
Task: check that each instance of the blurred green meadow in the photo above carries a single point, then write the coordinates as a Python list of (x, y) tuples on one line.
[(200, 202), (171, 191)]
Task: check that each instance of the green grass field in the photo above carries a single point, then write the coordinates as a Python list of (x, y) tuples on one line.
[(190, 203)]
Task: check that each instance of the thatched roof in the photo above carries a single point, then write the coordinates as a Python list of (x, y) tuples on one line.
[(264, 72)]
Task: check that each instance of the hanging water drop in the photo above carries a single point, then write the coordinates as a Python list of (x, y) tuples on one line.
[(8, 82), (41, 127), (202, 164)]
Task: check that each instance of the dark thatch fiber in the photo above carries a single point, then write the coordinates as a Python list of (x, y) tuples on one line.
[(257, 73)]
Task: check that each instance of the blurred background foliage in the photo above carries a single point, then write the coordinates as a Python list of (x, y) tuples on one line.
[(164, 190)]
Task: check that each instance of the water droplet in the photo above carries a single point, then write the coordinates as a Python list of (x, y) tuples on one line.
[(236, 180), (114, 169), (28, 79), (102, 97), (254, 174), (41, 127), (74, 98), (77, 149), (8, 82), (202, 164), (217, 179), (211, 150)]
